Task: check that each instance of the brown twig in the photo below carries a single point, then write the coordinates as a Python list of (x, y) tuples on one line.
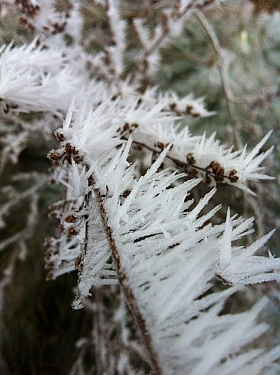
[(185, 165), (126, 287)]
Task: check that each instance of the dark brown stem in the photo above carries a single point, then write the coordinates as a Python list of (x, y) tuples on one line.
[(126, 288), (182, 164)]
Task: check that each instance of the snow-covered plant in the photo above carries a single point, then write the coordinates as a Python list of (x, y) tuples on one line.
[(141, 212)]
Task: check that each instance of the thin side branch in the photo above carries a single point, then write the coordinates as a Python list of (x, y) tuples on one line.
[(190, 167), (157, 43)]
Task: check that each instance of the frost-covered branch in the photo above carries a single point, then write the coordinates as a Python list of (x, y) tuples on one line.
[(138, 192), (150, 240)]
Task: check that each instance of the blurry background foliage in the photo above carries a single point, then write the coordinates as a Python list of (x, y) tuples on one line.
[(38, 328)]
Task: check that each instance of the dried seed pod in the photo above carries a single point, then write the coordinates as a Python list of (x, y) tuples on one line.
[(192, 172), (233, 178), (207, 180), (70, 149), (78, 159), (159, 145), (72, 231), (162, 145), (48, 242), (126, 126), (70, 219), (22, 22), (189, 109), (126, 193), (190, 159), (50, 276), (216, 168), (232, 172), (54, 155), (221, 171), (50, 265), (60, 137), (233, 175), (90, 181), (53, 215)]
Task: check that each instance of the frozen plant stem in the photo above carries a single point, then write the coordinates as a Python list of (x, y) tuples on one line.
[(222, 65), (156, 45), (165, 33), (130, 298), (184, 165)]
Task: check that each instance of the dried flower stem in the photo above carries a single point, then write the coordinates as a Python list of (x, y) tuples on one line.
[(222, 65)]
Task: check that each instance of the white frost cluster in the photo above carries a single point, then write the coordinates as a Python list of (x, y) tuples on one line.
[(169, 256), (37, 79), (238, 265), (150, 124)]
